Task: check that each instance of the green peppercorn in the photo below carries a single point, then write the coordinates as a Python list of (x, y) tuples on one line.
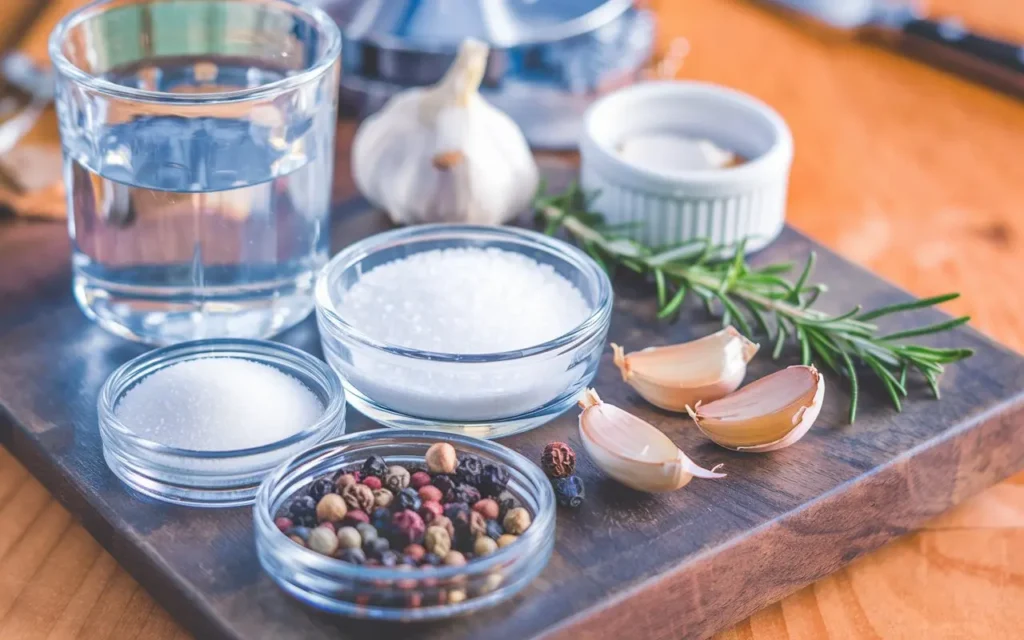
[(454, 559), (517, 521), (383, 497), (484, 545), (323, 540), (437, 541), (349, 538)]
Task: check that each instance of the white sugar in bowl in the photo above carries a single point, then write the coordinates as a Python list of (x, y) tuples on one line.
[(632, 158)]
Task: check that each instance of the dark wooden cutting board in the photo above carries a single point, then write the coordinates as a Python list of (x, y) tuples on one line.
[(626, 565)]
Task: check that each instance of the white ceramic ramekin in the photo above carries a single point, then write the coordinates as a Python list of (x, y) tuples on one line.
[(671, 206)]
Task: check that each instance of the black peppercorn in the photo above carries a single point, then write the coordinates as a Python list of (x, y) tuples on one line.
[(446, 483), (506, 502), (457, 512), (494, 529), (466, 493), (303, 511), (375, 466), (320, 488), (381, 520), (374, 548), (493, 480), (469, 470), (367, 532), (430, 559), (389, 558), (569, 491), (355, 556), (408, 498)]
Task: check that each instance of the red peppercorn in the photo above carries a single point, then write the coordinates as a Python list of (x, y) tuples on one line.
[(358, 475), (356, 516), (284, 524), (373, 482), (328, 525), (419, 479), (558, 460), (487, 508), (408, 525), (430, 493), (415, 551), (430, 509)]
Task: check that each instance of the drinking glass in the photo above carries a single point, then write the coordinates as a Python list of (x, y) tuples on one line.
[(198, 141)]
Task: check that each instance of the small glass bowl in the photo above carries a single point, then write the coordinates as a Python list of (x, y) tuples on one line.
[(484, 395), (200, 478), (389, 593)]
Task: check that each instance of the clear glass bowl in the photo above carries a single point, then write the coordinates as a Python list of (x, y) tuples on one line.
[(389, 593), (212, 478), (484, 395)]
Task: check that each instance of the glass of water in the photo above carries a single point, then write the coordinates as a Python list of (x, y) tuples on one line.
[(198, 140)]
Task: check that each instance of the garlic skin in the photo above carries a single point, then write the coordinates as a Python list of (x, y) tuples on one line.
[(443, 154), (632, 451), (767, 414), (679, 376)]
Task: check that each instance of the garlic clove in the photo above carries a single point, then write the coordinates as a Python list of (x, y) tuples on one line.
[(767, 414), (682, 375), (633, 451)]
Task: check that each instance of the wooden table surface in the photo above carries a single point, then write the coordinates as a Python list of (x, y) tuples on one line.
[(909, 171)]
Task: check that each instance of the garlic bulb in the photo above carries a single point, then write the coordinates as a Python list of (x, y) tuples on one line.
[(767, 414), (443, 154), (682, 375), (633, 451)]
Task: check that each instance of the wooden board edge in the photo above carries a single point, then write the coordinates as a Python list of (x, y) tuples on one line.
[(190, 612), (715, 589)]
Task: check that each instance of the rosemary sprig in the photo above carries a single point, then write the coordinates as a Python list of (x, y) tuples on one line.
[(759, 300)]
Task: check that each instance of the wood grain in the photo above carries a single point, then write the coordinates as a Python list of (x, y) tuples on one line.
[(899, 167)]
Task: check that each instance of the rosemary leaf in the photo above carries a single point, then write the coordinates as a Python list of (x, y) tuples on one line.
[(841, 342)]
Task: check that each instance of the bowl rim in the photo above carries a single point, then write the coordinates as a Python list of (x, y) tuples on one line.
[(138, 368), (346, 258), (761, 168), (544, 521)]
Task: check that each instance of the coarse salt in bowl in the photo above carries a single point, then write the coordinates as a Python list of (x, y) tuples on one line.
[(480, 330), (201, 423)]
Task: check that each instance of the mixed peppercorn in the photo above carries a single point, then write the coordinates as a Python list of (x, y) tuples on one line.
[(559, 462), (456, 509)]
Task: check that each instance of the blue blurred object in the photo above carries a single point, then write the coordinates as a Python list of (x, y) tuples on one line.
[(550, 58)]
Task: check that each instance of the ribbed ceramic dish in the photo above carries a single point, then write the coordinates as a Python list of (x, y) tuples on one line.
[(671, 206)]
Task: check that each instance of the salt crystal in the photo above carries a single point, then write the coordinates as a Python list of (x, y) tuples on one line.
[(463, 301), (218, 404)]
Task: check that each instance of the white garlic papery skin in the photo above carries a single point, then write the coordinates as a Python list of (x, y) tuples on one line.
[(443, 154)]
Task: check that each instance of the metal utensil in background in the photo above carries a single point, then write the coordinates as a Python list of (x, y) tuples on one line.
[(549, 58), (26, 86), (945, 42)]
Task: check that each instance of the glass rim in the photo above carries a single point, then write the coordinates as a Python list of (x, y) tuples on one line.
[(346, 258), (66, 68)]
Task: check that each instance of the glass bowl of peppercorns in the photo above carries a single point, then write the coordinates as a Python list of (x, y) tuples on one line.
[(401, 524)]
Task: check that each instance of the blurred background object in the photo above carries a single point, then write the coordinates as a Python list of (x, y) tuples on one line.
[(945, 42), (30, 174), (550, 59)]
